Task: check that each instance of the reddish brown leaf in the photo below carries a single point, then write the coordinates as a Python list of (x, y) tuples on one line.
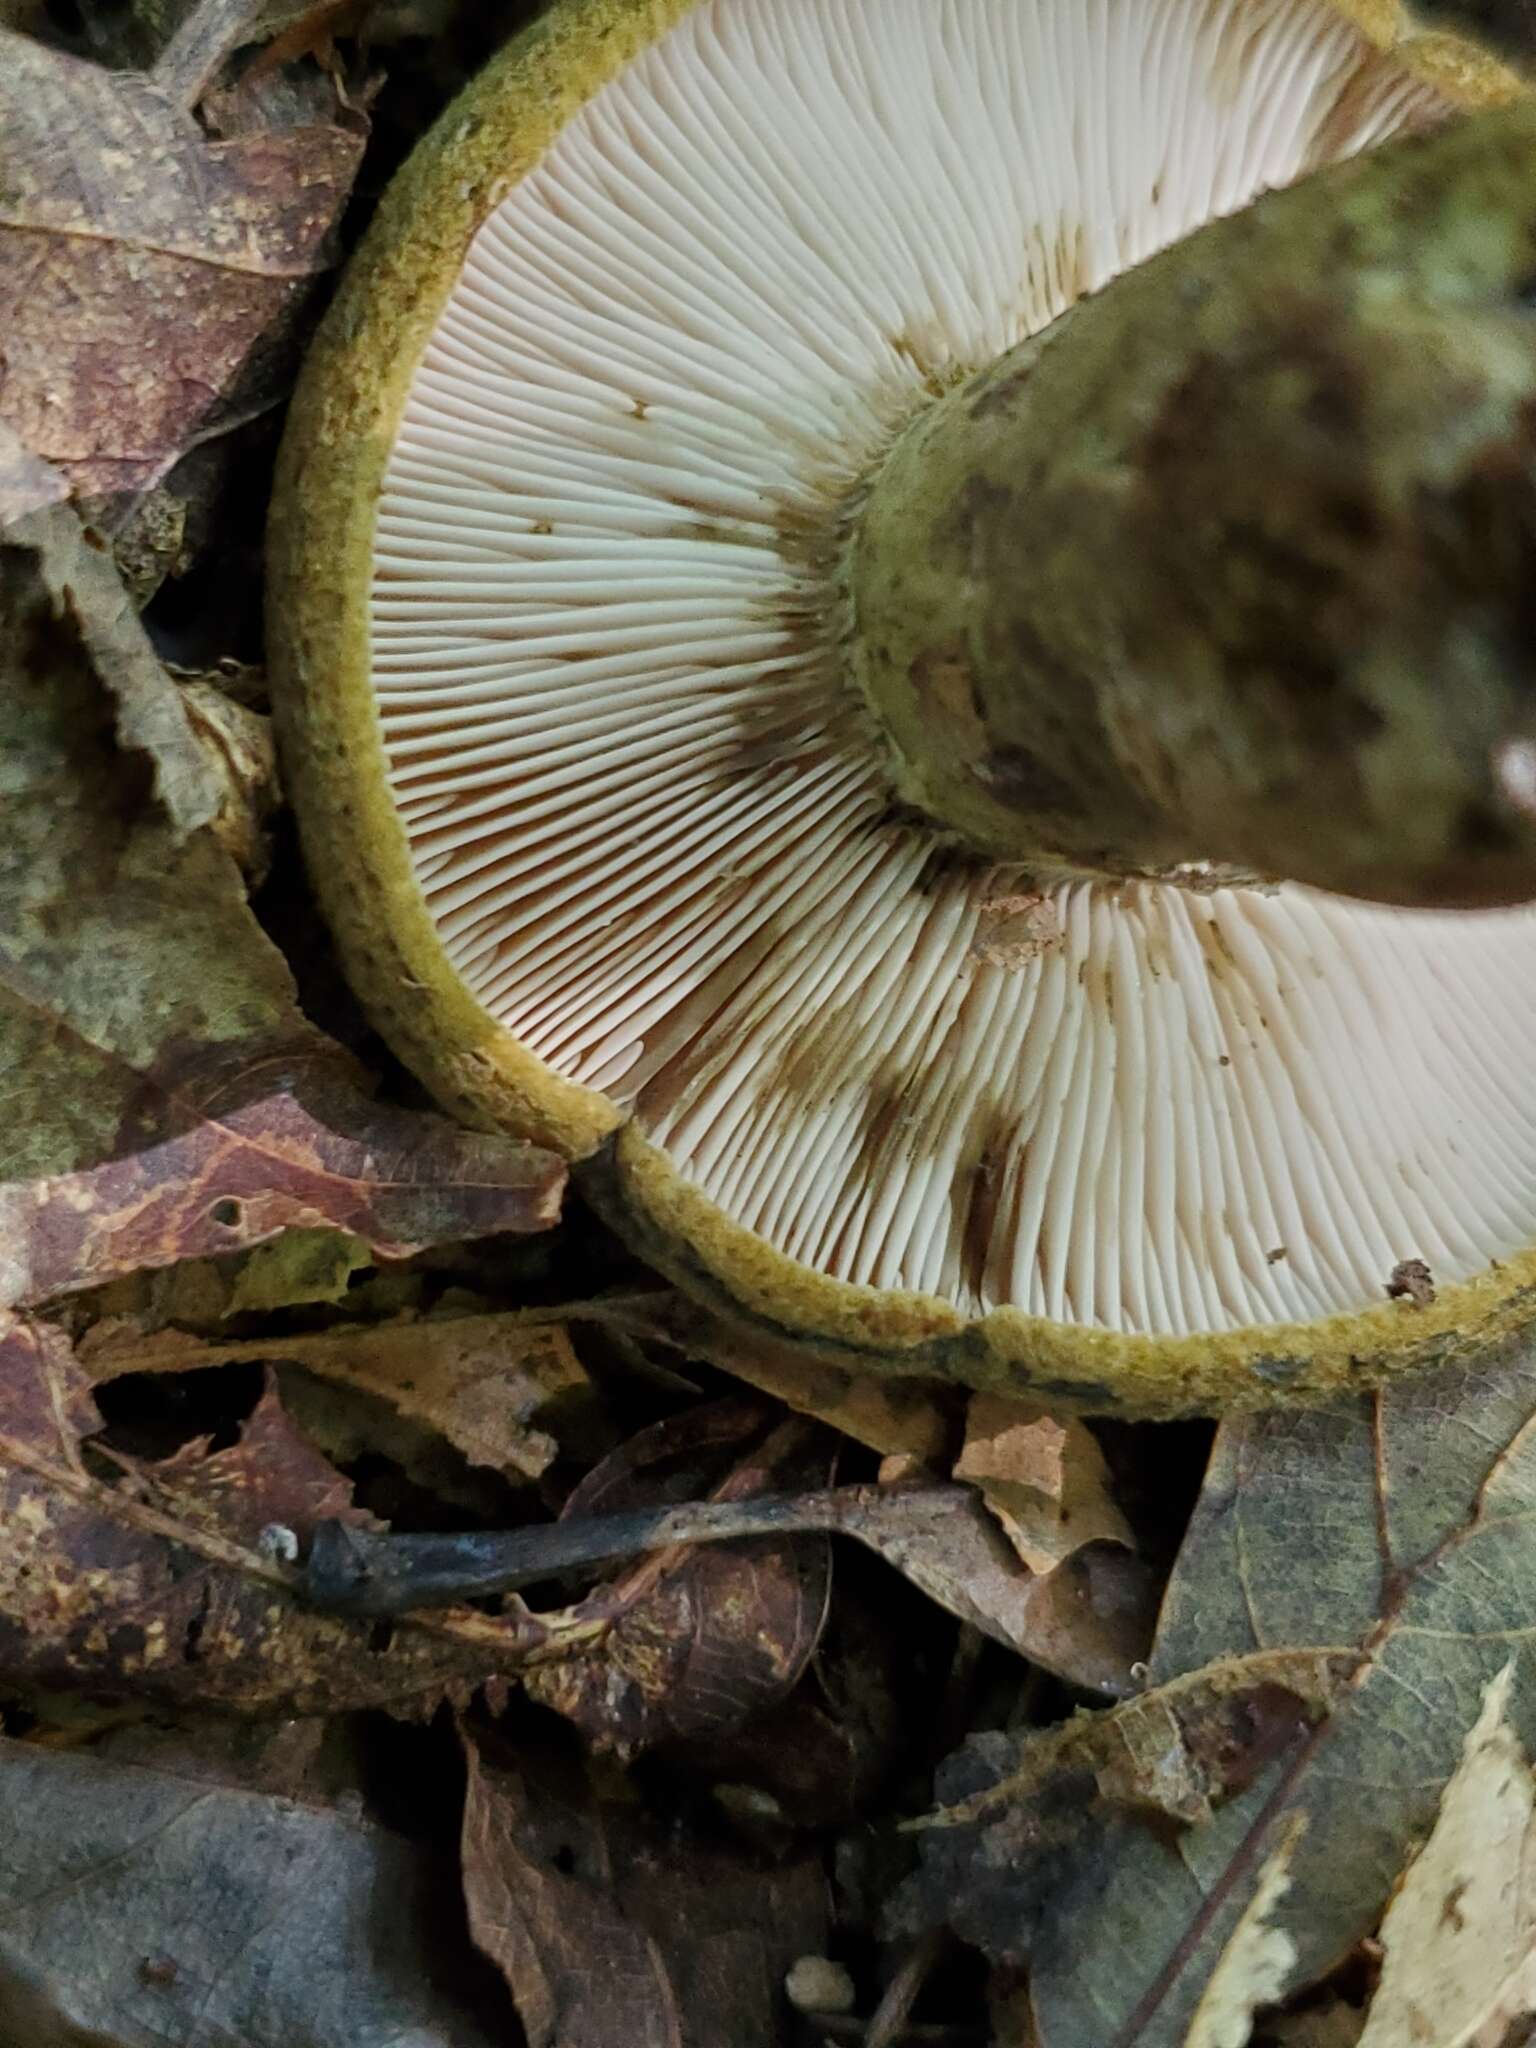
[(215, 1162), (701, 1637), (156, 1579), (610, 1932), (145, 268)]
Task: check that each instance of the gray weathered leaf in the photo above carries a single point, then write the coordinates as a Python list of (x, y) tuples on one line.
[(144, 1908), (1396, 1534)]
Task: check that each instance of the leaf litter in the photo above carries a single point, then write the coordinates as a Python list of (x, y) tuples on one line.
[(1297, 1812)]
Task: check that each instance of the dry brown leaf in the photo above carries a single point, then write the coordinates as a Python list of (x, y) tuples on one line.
[(239, 744), (1256, 1960), (61, 574), (1460, 1935), (504, 1387), (165, 1098), (27, 483), (149, 275), (1045, 1479), (895, 1416), (612, 1934), (704, 1636), (1089, 1621), (159, 1580)]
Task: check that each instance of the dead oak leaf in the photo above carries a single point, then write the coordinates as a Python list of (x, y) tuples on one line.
[(145, 268)]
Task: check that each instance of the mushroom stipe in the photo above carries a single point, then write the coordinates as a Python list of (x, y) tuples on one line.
[(946, 778)]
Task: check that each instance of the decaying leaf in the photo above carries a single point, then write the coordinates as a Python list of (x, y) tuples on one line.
[(1045, 1479), (1394, 1533), (1089, 1620), (149, 274), (1030, 1832), (909, 1418), (702, 1636), (60, 577), (1255, 1962), (609, 1931), (504, 1387), (294, 1270), (165, 1099), (161, 1581), (1460, 1936), (238, 743), (1173, 1754), (27, 484), (146, 1905)]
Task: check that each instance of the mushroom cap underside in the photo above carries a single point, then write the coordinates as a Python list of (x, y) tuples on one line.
[(604, 838)]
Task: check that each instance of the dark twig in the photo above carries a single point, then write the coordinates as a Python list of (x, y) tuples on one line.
[(891, 2017), (359, 1571)]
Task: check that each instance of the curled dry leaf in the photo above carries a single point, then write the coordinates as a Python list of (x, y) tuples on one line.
[(1089, 1620), (149, 275), (609, 1931), (702, 1636), (1045, 1479), (1460, 1936), (154, 1903), (504, 1387), (154, 1580), (1086, 1613), (59, 572), (166, 1099)]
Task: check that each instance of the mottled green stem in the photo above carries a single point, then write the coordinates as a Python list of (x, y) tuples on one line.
[(1236, 565)]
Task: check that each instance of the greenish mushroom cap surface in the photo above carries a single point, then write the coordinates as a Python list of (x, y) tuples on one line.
[(563, 634)]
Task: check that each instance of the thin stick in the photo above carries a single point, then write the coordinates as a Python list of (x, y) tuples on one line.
[(889, 2022), (360, 1571)]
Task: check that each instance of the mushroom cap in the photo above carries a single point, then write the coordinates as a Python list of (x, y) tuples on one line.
[(594, 816)]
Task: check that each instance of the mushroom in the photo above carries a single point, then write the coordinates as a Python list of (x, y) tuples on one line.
[(979, 776)]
